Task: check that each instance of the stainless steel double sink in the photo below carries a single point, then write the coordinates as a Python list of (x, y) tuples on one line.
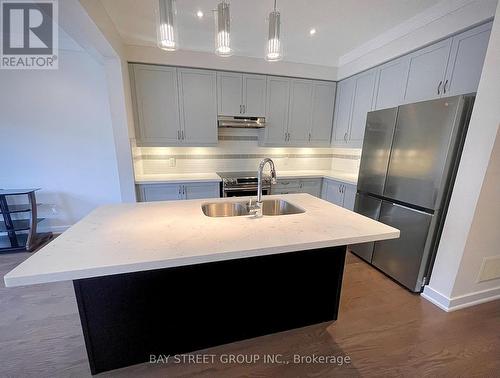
[(235, 209)]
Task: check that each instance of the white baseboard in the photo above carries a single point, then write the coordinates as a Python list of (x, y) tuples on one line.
[(461, 301)]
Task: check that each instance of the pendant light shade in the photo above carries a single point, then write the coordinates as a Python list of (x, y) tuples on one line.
[(166, 27), (274, 46), (222, 29)]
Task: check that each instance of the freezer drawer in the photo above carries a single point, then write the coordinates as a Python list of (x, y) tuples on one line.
[(376, 150), (421, 150), (402, 258), (369, 207)]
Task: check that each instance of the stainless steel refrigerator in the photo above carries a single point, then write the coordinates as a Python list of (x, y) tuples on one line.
[(408, 166)]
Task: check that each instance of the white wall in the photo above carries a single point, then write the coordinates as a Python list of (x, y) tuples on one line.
[(472, 233), (56, 134)]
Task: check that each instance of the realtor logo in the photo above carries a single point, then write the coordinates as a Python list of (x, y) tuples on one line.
[(29, 34)]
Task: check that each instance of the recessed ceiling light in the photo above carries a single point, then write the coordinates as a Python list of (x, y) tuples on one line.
[(312, 31), (199, 14)]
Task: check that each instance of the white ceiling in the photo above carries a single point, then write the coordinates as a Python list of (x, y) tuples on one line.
[(341, 25)]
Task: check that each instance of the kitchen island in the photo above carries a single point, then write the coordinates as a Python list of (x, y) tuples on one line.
[(163, 278)]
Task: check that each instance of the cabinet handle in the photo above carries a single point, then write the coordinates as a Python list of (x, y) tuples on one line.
[(180, 189), (309, 137), (178, 134), (345, 137), (439, 87), (183, 189), (182, 134), (241, 107), (444, 87), (244, 109)]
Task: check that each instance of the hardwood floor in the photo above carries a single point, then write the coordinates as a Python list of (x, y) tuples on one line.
[(382, 328)]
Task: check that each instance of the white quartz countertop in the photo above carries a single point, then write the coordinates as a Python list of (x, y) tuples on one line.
[(346, 177), (177, 177), (133, 237)]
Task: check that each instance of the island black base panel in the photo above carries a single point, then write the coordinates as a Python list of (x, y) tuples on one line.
[(128, 317)]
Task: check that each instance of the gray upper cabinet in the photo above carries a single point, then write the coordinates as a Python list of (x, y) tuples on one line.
[(322, 113), (362, 104), (156, 101), (174, 106), (427, 71), (343, 108), (241, 94), (229, 89), (468, 51), (391, 81), (278, 92), (198, 106), (254, 95), (300, 112), (354, 101)]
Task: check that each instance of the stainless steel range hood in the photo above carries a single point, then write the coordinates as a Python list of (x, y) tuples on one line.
[(241, 122)]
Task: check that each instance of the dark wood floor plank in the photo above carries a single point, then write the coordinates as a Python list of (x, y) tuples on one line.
[(384, 329)]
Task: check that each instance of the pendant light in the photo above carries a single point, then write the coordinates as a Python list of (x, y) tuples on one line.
[(274, 47), (166, 28), (222, 29)]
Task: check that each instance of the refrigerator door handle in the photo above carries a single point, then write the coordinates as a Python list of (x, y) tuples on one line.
[(411, 208)]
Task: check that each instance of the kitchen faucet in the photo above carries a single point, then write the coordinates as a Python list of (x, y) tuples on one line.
[(257, 209)]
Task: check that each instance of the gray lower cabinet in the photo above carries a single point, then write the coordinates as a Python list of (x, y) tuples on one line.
[(302, 185), (177, 191), (339, 193)]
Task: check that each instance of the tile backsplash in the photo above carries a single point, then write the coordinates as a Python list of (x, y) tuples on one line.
[(238, 150)]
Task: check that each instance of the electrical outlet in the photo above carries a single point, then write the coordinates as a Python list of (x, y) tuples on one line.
[(490, 269), (171, 162)]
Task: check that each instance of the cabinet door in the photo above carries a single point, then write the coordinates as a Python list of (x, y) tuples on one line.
[(312, 186), (230, 92), (201, 190), (278, 90), (427, 71), (198, 105), (391, 82), (160, 192), (322, 113), (332, 192), (254, 95), (156, 103), (300, 114), (349, 196), (362, 104), (343, 110), (466, 60)]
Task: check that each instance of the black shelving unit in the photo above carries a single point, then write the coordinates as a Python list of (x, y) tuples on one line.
[(20, 234)]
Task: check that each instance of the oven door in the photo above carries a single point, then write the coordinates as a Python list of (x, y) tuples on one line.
[(243, 191)]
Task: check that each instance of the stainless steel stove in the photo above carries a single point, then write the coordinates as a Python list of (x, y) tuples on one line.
[(240, 184)]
